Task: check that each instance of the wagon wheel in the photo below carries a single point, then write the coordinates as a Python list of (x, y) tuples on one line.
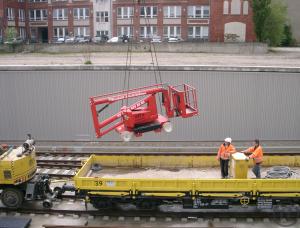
[(282, 215), (146, 205), (12, 197), (103, 204), (245, 200)]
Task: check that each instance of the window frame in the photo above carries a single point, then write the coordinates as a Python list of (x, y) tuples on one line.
[(43, 14), (64, 13), (148, 11), (202, 34), (81, 13), (10, 14), (197, 11), (148, 31), (172, 31), (176, 11), (121, 12)]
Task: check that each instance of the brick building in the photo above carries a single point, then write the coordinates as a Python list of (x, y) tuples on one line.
[(212, 20), (45, 20)]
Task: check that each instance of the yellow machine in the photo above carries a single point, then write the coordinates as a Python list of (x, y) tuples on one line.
[(17, 166), (18, 181)]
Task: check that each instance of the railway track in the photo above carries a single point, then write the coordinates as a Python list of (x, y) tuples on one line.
[(279, 215), (121, 217), (77, 207)]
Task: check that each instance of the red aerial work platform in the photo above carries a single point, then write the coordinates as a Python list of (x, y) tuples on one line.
[(142, 116)]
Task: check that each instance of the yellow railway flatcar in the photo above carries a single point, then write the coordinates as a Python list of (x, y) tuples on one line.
[(148, 181)]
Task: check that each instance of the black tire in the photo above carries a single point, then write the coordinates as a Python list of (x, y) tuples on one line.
[(12, 197), (47, 204)]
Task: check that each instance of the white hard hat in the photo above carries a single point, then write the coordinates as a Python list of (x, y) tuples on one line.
[(229, 140)]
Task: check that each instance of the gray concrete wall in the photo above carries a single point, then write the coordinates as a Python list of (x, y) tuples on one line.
[(242, 103), (189, 47)]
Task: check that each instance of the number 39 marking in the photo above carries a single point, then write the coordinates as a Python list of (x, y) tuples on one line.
[(98, 183)]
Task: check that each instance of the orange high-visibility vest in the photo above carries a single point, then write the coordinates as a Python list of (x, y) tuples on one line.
[(225, 152), (257, 154)]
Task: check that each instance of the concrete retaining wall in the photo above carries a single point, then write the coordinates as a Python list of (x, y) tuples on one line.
[(52, 103), (181, 47)]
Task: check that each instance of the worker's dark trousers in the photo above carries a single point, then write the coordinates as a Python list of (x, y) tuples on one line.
[(224, 167), (256, 170)]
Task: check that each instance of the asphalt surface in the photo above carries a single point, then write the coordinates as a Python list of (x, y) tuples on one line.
[(276, 57)]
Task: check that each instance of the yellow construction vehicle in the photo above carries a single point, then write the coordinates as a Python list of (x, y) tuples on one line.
[(18, 179)]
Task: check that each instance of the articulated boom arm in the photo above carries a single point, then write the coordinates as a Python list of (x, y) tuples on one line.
[(142, 116)]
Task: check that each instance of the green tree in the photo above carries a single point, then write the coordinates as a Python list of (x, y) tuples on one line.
[(275, 23), (269, 18), (10, 34), (261, 11)]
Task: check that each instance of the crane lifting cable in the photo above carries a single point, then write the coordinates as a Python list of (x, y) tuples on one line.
[(142, 115)]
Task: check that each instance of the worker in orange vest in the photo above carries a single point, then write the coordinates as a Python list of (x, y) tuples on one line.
[(225, 150), (257, 156)]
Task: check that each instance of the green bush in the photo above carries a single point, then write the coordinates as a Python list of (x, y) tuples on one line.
[(288, 39), (88, 62), (10, 34)]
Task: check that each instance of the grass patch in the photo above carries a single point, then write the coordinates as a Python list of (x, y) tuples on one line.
[(88, 62)]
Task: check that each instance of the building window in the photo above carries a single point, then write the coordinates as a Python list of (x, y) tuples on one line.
[(21, 0), (236, 7), (10, 13), (38, 15), (172, 11), (101, 33), (21, 15), (148, 31), (198, 32), (60, 14), (81, 31), (38, 0), (22, 32), (102, 16), (81, 13), (125, 12), (198, 11), (148, 11), (225, 7), (124, 30), (245, 7), (60, 32), (172, 31)]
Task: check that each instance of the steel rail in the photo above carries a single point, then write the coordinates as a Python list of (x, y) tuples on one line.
[(202, 213)]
